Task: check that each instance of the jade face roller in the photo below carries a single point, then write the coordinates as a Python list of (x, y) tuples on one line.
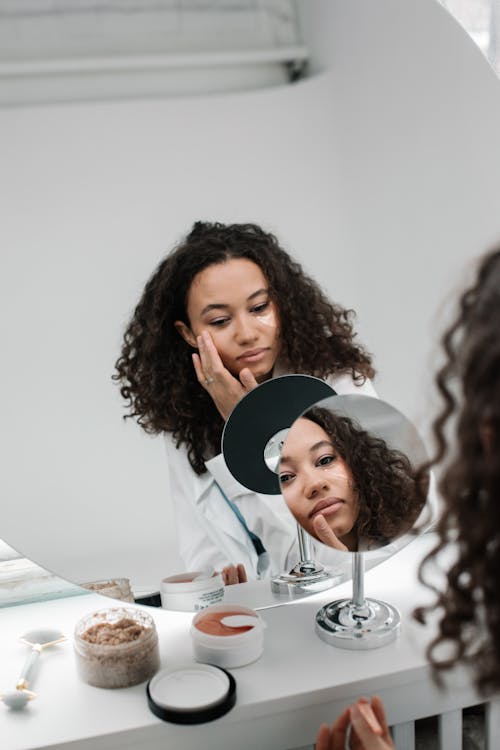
[(37, 640), (17, 699)]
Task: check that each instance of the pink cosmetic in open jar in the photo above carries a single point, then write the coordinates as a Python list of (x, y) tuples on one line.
[(227, 635)]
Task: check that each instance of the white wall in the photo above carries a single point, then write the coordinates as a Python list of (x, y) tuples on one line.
[(380, 175), (417, 114), (96, 194)]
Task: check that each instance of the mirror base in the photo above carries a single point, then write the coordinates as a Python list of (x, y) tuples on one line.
[(358, 626), (306, 577)]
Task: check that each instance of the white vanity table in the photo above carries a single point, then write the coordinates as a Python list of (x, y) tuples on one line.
[(298, 683)]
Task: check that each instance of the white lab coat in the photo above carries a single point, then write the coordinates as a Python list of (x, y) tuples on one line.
[(208, 531)]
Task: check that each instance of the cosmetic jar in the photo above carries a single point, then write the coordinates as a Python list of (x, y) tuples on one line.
[(116, 648), (115, 588), (191, 592), (225, 646), (191, 693)]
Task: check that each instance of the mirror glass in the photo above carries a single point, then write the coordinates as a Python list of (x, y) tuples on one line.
[(272, 451), (349, 473), (94, 195)]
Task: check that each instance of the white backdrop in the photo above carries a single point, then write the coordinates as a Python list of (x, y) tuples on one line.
[(379, 174)]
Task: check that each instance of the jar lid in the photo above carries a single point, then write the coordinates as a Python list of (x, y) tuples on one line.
[(189, 583), (191, 693)]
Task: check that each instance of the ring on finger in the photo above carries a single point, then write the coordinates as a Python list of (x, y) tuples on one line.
[(209, 381)]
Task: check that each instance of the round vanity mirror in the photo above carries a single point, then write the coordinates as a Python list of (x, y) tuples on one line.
[(349, 473), (352, 473), (346, 168)]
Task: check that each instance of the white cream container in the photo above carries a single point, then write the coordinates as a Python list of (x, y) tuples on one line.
[(186, 593), (228, 650)]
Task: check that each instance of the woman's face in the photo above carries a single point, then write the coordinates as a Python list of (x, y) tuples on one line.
[(315, 480), (231, 301)]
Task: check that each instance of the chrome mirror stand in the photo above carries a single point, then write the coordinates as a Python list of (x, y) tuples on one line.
[(307, 576), (358, 623)]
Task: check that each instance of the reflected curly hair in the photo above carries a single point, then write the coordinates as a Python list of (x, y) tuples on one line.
[(469, 384), (155, 368), (390, 497)]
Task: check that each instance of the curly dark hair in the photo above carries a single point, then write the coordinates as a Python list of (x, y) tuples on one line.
[(390, 497), (469, 383), (155, 368)]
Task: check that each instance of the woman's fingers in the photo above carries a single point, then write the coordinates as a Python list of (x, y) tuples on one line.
[(232, 574), (229, 575), (326, 535), (335, 738), (339, 730), (198, 369), (210, 359), (364, 724), (224, 389), (242, 574), (369, 729), (247, 379), (370, 718), (323, 738), (379, 711)]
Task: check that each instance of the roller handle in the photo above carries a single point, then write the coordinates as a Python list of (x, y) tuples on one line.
[(24, 677)]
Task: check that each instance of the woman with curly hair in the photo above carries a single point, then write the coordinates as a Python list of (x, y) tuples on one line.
[(469, 384), (225, 310), (345, 486), (469, 603)]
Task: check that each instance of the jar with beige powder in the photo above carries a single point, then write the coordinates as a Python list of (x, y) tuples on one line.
[(116, 648), (115, 588)]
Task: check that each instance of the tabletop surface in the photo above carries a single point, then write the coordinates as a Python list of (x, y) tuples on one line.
[(299, 681)]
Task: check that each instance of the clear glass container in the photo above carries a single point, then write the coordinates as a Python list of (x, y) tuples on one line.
[(116, 648), (115, 588)]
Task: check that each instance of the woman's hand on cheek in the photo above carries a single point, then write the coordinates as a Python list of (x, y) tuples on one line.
[(326, 535), (215, 378)]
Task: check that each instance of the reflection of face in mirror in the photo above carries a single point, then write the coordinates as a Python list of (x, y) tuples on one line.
[(345, 486), (226, 310), (318, 486)]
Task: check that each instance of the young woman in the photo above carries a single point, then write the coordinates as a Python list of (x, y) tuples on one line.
[(346, 487), (469, 384), (227, 309)]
